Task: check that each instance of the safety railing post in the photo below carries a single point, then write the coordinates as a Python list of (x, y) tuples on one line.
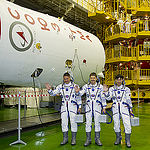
[(25, 103), (19, 141)]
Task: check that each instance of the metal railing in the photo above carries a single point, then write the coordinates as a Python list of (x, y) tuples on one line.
[(144, 49), (117, 52), (141, 52), (106, 5), (96, 5), (127, 29), (135, 4), (143, 25), (100, 5), (83, 3), (134, 76), (144, 74)]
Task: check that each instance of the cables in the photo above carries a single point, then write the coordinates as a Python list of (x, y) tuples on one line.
[(40, 134), (110, 118), (106, 113), (76, 55), (37, 102)]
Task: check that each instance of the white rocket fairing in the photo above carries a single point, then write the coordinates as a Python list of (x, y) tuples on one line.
[(31, 40)]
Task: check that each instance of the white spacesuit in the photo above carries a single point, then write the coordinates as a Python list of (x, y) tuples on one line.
[(121, 108), (127, 26), (95, 100), (121, 24), (70, 104)]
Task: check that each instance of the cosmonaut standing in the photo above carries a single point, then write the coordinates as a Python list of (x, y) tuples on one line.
[(70, 103), (121, 107), (95, 102)]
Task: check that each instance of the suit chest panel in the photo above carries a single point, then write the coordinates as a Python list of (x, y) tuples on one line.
[(67, 92), (93, 92), (118, 94)]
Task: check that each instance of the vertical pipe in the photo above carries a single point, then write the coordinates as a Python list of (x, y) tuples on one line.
[(138, 102), (19, 117), (138, 97), (114, 9), (112, 52), (25, 102), (117, 11), (96, 7)]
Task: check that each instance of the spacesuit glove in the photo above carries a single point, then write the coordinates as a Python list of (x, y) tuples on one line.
[(104, 110), (79, 110)]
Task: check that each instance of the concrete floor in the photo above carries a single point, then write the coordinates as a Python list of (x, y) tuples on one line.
[(140, 138), (9, 118), (12, 113)]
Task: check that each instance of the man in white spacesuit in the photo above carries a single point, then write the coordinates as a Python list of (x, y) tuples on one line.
[(128, 26), (95, 102), (121, 107), (70, 103)]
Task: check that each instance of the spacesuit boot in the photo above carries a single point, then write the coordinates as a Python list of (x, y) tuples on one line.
[(73, 140), (97, 139), (118, 138), (127, 138), (65, 138), (88, 139)]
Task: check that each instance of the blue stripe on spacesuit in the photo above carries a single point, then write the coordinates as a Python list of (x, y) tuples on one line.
[(126, 104), (110, 118), (122, 90), (99, 103), (88, 106), (92, 110), (97, 111), (73, 112), (62, 112), (114, 103), (107, 94), (125, 114), (119, 111), (115, 113), (74, 102), (106, 111), (77, 94)]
